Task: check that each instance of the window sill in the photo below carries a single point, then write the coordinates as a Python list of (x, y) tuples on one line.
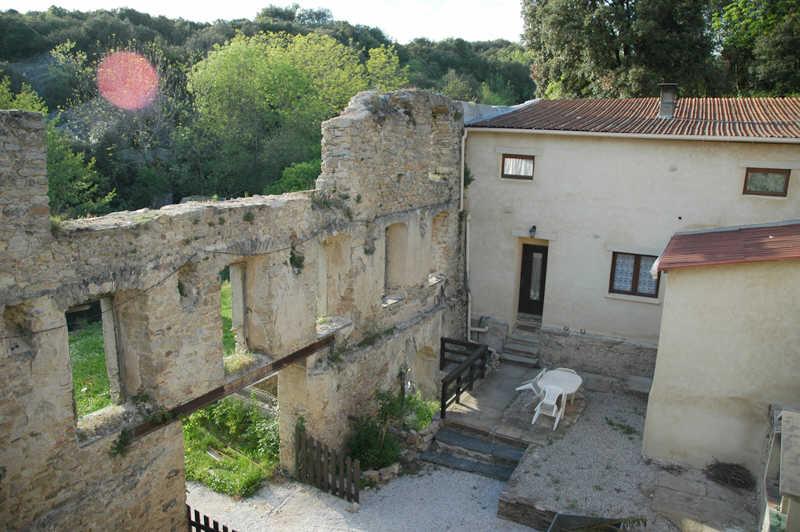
[(390, 301), (635, 299), (332, 324), (435, 278), (96, 425), (765, 196)]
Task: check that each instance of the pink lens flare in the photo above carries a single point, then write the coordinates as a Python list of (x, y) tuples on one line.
[(127, 80)]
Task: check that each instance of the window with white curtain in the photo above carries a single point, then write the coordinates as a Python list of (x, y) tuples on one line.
[(766, 181), (630, 274), (517, 166)]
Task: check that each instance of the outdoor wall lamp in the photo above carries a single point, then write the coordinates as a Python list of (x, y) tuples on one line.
[(532, 231)]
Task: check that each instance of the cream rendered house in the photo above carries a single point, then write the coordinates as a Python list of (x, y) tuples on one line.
[(572, 201)]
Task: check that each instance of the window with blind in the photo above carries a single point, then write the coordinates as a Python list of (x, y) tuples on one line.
[(630, 274), (517, 166), (766, 181)]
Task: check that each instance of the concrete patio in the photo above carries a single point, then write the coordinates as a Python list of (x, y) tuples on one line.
[(497, 410)]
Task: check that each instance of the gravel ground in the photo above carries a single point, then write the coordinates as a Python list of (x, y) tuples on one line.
[(597, 467), (435, 499)]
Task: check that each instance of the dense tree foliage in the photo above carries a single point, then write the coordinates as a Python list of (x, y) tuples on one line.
[(240, 102), (760, 42), (627, 47), (75, 187), (260, 101)]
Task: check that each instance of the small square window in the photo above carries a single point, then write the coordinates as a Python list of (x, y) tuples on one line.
[(630, 274), (517, 166), (766, 181)]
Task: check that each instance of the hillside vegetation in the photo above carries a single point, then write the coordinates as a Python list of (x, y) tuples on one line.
[(239, 104)]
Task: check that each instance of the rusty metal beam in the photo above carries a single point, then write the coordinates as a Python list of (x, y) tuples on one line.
[(231, 387)]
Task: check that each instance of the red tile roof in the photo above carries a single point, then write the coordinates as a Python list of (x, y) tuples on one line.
[(715, 117), (732, 246)]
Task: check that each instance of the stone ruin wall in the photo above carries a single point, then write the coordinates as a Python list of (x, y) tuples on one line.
[(388, 159)]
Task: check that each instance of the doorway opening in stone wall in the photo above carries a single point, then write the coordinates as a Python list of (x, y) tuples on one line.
[(533, 271)]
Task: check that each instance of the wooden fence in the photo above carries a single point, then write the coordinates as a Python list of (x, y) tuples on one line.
[(472, 360), (325, 468), (203, 523)]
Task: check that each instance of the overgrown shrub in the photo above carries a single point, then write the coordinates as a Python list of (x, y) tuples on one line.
[(231, 447), (421, 411), (372, 442), (371, 445), (409, 412)]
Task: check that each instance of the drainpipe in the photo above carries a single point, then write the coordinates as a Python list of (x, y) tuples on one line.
[(466, 235)]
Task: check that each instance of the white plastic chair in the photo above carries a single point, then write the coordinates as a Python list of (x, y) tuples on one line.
[(548, 405), (533, 384)]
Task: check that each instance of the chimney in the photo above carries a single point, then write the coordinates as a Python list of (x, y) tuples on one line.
[(669, 99)]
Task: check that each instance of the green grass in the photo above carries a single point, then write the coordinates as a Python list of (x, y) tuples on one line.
[(230, 447), (226, 311), (234, 359), (89, 375)]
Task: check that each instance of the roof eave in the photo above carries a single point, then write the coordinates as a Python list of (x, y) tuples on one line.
[(710, 138), (670, 267)]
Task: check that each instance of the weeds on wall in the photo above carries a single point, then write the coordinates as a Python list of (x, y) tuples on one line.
[(296, 260), (231, 447), (468, 177), (372, 440), (121, 444), (371, 336)]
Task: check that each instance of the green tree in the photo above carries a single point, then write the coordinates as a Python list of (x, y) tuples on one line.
[(74, 186), (260, 101), (245, 94), (384, 70), (759, 40), (298, 176), (611, 48), (458, 86), (25, 100)]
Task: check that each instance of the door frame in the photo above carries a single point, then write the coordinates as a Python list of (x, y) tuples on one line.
[(520, 241)]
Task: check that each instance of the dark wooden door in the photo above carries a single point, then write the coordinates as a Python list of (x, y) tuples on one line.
[(531, 282)]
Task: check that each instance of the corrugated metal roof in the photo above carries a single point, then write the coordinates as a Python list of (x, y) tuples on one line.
[(732, 246), (774, 118)]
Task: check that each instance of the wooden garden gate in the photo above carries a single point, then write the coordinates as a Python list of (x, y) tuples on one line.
[(325, 468)]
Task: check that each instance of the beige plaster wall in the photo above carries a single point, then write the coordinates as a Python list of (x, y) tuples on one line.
[(729, 347), (591, 196)]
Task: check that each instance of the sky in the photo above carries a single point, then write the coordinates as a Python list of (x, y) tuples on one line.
[(401, 20)]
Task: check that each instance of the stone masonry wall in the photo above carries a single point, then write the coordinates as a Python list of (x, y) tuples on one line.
[(612, 357), (387, 159)]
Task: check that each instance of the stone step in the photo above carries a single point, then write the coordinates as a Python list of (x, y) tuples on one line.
[(528, 317), (496, 471), (528, 328), (521, 348), (468, 445), (522, 336), (520, 360), (482, 433)]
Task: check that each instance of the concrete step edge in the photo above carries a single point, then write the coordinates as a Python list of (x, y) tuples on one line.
[(460, 442), (520, 360), (481, 468)]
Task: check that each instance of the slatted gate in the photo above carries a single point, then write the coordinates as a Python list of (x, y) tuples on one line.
[(325, 468)]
